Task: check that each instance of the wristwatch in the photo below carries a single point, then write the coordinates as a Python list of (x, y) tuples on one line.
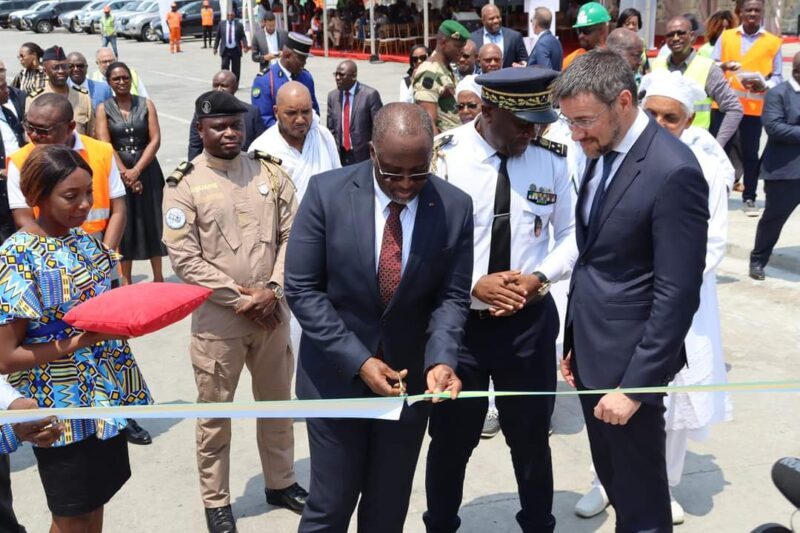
[(277, 290), (544, 288)]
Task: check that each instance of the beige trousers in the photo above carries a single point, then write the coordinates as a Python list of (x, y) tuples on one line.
[(217, 367)]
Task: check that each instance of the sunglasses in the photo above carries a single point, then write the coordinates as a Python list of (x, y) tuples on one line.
[(393, 176), (461, 107), (41, 131), (419, 59), (676, 33), (78, 66), (587, 31)]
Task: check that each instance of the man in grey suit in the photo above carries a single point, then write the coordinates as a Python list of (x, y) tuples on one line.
[(508, 40), (547, 52), (268, 41), (351, 111)]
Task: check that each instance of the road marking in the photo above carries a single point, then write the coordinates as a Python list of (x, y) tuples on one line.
[(173, 117)]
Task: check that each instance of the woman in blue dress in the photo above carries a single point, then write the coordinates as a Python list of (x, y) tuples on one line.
[(47, 268)]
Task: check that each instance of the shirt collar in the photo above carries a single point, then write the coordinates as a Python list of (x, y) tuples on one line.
[(84, 85), (760, 30), (384, 201), (794, 84), (78, 146), (286, 72), (480, 147), (225, 165), (352, 90), (685, 61), (487, 32), (633, 133)]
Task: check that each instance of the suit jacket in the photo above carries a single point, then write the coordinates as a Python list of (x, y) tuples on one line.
[(260, 45), (265, 88), (253, 127), (332, 285), (17, 98), (220, 38), (513, 46), (99, 92), (781, 119), (636, 283), (365, 104), (547, 52)]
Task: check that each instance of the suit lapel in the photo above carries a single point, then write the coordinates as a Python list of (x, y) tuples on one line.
[(580, 226), (362, 205), (626, 174)]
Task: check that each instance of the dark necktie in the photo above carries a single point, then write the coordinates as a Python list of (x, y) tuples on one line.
[(600, 193), (230, 34), (346, 143), (500, 248), (390, 263)]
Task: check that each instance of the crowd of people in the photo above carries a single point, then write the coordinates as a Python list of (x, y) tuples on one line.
[(397, 249)]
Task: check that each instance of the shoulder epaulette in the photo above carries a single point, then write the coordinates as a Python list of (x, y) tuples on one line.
[(184, 168), (547, 144), (441, 141), (438, 144), (264, 156), (35, 92), (80, 89)]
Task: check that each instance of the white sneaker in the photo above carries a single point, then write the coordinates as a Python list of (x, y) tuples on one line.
[(592, 503), (678, 516), (491, 424)]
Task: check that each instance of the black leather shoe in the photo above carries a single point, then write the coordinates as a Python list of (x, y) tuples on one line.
[(292, 497), (757, 272), (220, 520), (136, 434)]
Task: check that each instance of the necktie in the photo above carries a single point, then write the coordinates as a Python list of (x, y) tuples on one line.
[(390, 264), (500, 247), (346, 143), (230, 34), (600, 193)]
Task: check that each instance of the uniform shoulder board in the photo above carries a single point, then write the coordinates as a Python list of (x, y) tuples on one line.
[(184, 168), (80, 89), (35, 92), (547, 144), (264, 156), (441, 141)]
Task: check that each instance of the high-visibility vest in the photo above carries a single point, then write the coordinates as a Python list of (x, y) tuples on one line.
[(571, 57), (207, 16), (697, 71), (107, 25), (759, 58), (100, 156)]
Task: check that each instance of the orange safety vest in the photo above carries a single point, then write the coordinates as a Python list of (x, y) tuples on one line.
[(100, 156), (207, 16), (570, 58), (173, 20), (758, 58)]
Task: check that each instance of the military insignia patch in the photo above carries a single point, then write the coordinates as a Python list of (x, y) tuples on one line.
[(541, 195), (175, 218), (256, 92)]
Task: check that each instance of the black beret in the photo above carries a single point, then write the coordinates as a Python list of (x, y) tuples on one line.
[(217, 104), (54, 53)]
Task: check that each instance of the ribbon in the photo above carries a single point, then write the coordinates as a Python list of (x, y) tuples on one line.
[(378, 407)]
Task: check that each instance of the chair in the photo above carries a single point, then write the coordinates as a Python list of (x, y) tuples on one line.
[(407, 36), (387, 40)]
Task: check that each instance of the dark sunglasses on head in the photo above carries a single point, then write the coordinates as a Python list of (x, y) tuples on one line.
[(460, 107), (676, 33), (419, 59)]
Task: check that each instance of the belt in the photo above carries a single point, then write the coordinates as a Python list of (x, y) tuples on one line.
[(482, 314)]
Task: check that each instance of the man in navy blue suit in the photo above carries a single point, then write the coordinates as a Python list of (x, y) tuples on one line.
[(378, 274), (547, 52), (509, 41), (641, 226), (289, 67)]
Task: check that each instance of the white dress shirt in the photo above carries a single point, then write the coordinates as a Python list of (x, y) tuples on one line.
[(407, 217), (622, 149), (16, 200), (496, 39), (352, 93), (472, 166), (7, 394), (272, 45), (10, 106), (10, 142)]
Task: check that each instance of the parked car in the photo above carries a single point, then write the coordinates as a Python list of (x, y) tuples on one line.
[(70, 20), (130, 9), (44, 20), (191, 25), (88, 17), (140, 26), (7, 7), (15, 17)]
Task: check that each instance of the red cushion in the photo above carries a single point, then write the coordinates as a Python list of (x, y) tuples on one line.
[(138, 309)]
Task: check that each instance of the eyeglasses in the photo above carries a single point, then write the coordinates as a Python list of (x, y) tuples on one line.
[(460, 107), (582, 123), (676, 33), (393, 176), (41, 131), (419, 59), (78, 66)]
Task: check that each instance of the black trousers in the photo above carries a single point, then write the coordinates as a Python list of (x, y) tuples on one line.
[(749, 137), (208, 38), (519, 354), (8, 520), (232, 61), (631, 464), (783, 196), (373, 459)]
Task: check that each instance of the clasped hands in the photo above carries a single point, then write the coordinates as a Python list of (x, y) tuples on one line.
[(615, 408), (260, 306), (130, 176), (383, 380), (506, 292)]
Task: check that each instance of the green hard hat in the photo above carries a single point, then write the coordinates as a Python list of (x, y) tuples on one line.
[(590, 14)]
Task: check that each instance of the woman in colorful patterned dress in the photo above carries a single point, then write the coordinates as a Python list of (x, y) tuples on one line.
[(46, 268)]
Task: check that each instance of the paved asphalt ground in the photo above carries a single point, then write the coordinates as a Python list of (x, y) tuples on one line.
[(726, 486)]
